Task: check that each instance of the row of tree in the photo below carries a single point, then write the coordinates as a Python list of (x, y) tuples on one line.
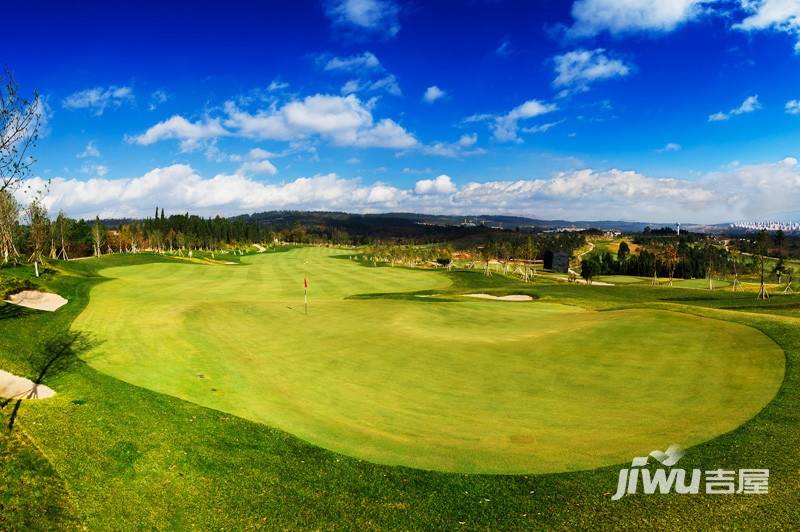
[(688, 257)]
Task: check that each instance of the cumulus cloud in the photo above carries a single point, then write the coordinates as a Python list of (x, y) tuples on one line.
[(792, 107), (752, 191), (378, 17), (98, 99), (257, 167), (777, 15), (433, 93), (441, 185), (749, 105), (505, 128), (628, 16), (190, 134), (89, 151), (577, 69), (343, 120), (463, 147)]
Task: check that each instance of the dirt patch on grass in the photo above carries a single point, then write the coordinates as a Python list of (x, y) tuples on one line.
[(514, 297), (13, 387), (37, 300)]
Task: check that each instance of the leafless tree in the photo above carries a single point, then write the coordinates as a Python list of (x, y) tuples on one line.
[(20, 122), (9, 216)]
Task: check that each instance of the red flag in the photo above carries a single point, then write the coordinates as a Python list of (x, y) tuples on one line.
[(305, 282)]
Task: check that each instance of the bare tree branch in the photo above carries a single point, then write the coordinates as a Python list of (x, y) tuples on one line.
[(20, 122)]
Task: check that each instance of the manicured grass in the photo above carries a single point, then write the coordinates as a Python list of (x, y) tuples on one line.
[(700, 283), (623, 279), (473, 386), (133, 458)]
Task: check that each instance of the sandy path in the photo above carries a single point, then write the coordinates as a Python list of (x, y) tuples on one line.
[(516, 297), (37, 300), (13, 387)]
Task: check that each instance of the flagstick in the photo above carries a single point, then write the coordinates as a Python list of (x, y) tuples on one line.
[(305, 299)]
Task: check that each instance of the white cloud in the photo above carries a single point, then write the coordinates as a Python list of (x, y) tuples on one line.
[(793, 107), (89, 151), (433, 93), (263, 166), (577, 69), (739, 192), (259, 153), (98, 99), (191, 134), (387, 83), (344, 120), (468, 140), (372, 76), (157, 98), (504, 49), (441, 185), (777, 15), (542, 128), (506, 127), (179, 188), (749, 105), (627, 16), (353, 63), (670, 146), (94, 170), (368, 16), (277, 85)]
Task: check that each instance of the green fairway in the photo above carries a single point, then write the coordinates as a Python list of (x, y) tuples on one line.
[(623, 279), (472, 386), (701, 284)]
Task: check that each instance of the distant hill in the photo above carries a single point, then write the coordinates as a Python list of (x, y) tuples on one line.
[(388, 223)]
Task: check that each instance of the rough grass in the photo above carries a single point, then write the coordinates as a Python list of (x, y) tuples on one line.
[(133, 458)]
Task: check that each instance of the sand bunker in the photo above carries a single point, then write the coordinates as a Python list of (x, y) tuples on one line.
[(13, 387), (37, 300), (516, 297)]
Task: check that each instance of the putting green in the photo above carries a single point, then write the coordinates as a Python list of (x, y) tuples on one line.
[(468, 386)]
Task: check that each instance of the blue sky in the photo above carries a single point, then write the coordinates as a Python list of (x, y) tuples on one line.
[(585, 109)]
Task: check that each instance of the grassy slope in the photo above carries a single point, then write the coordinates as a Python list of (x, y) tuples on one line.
[(134, 458), (516, 390)]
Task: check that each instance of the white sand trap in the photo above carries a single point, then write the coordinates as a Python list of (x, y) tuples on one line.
[(13, 387), (515, 297), (37, 300)]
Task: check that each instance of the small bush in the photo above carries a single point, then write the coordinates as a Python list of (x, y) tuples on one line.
[(13, 286)]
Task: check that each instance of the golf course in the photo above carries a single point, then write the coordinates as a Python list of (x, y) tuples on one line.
[(458, 385), (397, 399)]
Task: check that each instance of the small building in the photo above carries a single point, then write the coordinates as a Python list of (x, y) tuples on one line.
[(558, 261)]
